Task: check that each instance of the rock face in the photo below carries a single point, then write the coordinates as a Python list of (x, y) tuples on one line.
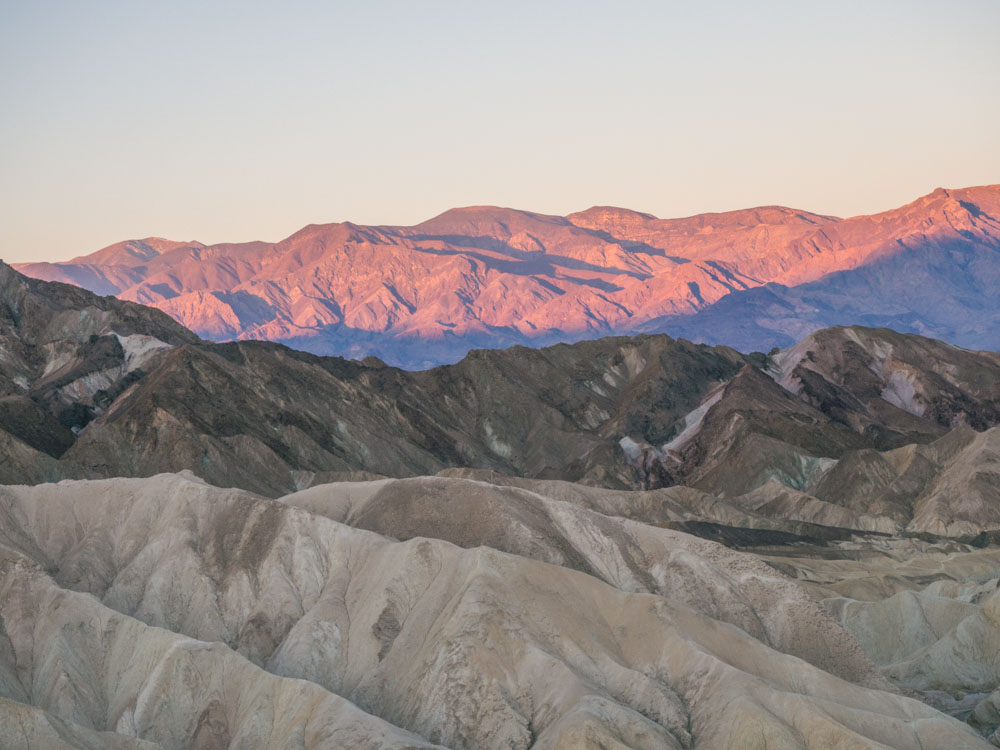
[(176, 614), (939, 280), (492, 277), (950, 487), (65, 355)]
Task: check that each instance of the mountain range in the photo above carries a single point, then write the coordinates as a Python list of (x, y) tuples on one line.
[(486, 277), (634, 542)]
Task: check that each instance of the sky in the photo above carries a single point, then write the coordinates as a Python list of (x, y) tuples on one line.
[(233, 121)]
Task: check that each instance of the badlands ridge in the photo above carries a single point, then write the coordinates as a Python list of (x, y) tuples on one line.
[(174, 614)]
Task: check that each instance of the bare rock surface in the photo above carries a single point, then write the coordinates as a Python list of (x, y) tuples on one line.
[(632, 556), (950, 487), (65, 354), (25, 727), (101, 671), (633, 542)]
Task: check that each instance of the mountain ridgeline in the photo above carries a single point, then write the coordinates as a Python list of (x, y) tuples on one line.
[(96, 387), (486, 277)]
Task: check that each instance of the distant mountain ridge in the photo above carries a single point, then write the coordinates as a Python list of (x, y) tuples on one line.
[(492, 277)]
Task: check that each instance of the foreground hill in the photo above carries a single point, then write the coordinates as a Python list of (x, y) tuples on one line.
[(491, 277), (130, 393), (924, 613), (176, 615)]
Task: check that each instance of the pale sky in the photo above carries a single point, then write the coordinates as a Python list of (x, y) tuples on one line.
[(233, 121)]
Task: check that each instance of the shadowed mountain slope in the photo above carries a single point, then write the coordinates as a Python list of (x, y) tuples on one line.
[(134, 395), (65, 355)]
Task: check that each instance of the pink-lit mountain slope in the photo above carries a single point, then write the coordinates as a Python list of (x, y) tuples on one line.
[(491, 277)]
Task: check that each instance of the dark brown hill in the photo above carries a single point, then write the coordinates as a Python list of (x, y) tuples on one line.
[(98, 387)]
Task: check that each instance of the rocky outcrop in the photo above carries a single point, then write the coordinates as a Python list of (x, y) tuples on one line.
[(950, 487), (66, 354)]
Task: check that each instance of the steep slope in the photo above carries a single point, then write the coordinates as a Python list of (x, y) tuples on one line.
[(25, 727), (940, 280), (103, 672), (491, 277), (891, 378), (264, 417), (615, 412), (465, 647), (631, 555), (65, 355), (837, 391), (950, 487)]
